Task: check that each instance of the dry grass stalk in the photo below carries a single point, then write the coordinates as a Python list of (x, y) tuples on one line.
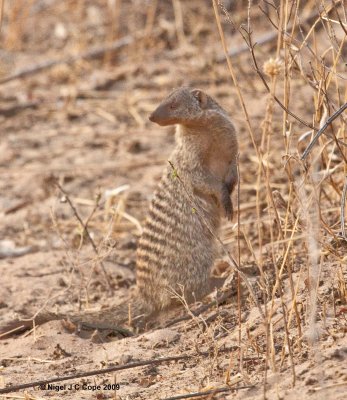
[(287, 193), (84, 225), (2, 4), (232, 260), (284, 47)]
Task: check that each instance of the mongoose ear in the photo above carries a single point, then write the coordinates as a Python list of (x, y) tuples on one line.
[(200, 96)]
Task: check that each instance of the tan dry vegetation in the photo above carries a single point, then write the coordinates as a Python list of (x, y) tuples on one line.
[(81, 120)]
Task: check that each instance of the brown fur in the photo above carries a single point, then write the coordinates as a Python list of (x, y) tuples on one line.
[(176, 251)]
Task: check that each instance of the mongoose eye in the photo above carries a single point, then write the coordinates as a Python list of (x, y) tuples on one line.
[(173, 106)]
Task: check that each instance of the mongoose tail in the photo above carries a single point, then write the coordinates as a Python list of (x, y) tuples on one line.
[(114, 319)]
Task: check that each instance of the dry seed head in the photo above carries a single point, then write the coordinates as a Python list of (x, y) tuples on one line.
[(61, 73), (279, 200), (272, 67)]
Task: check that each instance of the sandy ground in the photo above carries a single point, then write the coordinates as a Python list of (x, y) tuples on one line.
[(86, 126)]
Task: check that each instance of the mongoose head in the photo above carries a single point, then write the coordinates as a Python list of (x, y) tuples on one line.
[(184, 106)]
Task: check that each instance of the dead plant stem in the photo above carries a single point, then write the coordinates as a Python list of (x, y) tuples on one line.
[(86, 231)]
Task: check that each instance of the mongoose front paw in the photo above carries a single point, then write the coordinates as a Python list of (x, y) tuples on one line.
[(226, 203), (228, 208), (229, 212)]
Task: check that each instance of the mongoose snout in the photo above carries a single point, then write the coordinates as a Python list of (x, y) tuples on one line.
[(162, 116), (158, 117)]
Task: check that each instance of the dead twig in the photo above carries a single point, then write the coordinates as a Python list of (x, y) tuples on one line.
[(249, 43), (8, 249), (322, 129), (243, 106), (343, 205), (86, 231), (2, 2), (243, 48), (208, 392), (343, 25), (263, 39), (251, 46), (17, 108), (17, 206), (194, 313), (95, 52), (42, 383)]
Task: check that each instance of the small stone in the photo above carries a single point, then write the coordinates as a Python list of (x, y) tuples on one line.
[(162, 337), (310, 381)]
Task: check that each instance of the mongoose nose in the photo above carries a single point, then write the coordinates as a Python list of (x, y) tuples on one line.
[(161, 116)]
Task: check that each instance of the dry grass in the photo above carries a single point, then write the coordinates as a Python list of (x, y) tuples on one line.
[(289, 238)]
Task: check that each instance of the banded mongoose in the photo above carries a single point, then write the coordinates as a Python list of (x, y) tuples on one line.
[(176, 250)]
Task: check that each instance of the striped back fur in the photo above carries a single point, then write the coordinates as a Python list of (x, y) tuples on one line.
[(176, 250)]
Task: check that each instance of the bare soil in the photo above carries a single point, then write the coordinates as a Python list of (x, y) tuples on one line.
[(85, 125)]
